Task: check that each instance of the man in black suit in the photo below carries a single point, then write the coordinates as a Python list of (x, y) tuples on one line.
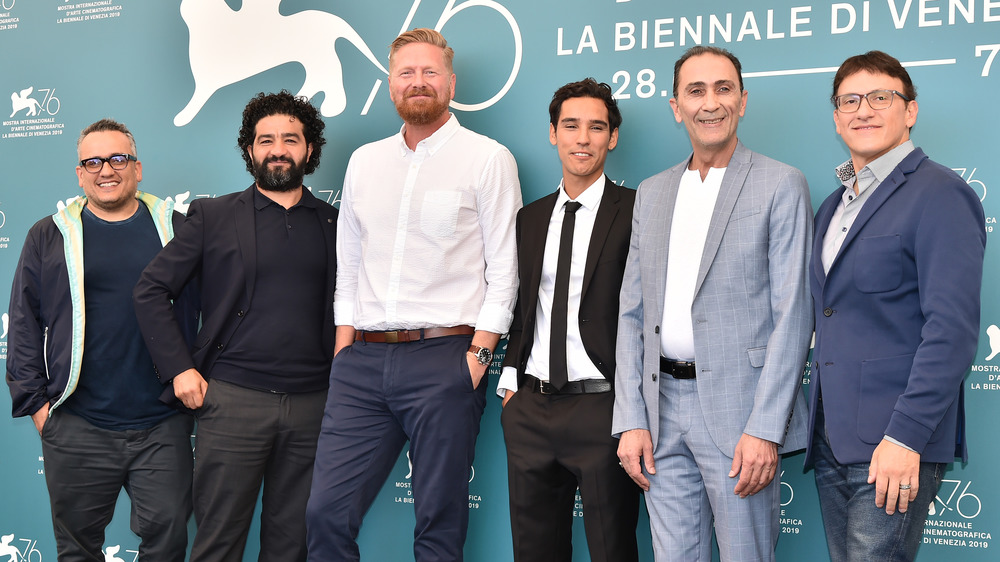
[(257, 377), (558, 380)]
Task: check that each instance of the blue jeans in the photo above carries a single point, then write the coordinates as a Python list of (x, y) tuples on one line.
[(857, 530)]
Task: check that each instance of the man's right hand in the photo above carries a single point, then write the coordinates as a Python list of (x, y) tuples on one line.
[(40, 417), (635, 449), (190, 388), (506, 397)]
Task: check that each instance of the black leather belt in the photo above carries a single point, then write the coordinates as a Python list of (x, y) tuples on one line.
[(588, 386), (678, 369)]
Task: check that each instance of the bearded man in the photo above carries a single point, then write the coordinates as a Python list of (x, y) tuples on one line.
[(257, 377), (426, 283)]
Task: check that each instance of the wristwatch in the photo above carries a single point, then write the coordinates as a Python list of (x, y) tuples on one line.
[(483, 355)]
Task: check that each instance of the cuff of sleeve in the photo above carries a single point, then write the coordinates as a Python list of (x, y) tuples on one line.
[(343, 313), (900, 443), (494, 319), (908, 432), (508, 381)]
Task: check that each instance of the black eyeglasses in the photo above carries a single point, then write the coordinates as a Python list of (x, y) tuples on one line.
[(117, 161), (877, 99)]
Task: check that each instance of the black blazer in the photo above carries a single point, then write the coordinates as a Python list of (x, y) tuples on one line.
[(217, 243), (602, 277)]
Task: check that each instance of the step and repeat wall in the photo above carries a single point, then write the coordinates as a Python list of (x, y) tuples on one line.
[(178, 73)]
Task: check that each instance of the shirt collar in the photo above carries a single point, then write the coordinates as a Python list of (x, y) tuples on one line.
[(590, 199), (432, 143), (261, 201), (881, 167)]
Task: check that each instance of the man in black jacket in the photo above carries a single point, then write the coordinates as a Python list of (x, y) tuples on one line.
[(78, 365), (257, 377), (558, 381)]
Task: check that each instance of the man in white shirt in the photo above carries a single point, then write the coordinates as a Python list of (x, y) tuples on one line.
[(714, 329), (426, 283), (558, 377)]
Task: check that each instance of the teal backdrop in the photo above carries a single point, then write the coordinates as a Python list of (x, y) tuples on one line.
[(178, 73)]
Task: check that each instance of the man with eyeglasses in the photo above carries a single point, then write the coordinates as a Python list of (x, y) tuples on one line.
[(896, 272), (78, 365), (257, 376)]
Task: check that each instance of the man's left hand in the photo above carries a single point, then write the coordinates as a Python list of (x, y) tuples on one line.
[(893, 466), (755, 461), (475, 369)]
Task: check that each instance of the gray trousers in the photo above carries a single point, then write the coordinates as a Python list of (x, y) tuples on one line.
[(247, 438), (86, 468)]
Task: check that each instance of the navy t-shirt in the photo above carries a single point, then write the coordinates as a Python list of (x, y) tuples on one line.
[(118, 388)]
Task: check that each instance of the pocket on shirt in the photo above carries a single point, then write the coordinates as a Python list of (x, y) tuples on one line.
[(439, 213)]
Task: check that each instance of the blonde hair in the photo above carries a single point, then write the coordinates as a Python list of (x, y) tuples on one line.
[(423, 35)]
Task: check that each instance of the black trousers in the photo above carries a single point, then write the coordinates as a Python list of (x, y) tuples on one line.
[(247, 437), (86, 468), (556, 443)]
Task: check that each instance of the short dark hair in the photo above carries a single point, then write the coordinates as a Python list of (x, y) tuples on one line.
[(107, 124), (283, 103), (586, 88), (705, 50), (875, 62)]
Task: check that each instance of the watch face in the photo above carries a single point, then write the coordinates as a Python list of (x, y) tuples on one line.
[(484, 356)]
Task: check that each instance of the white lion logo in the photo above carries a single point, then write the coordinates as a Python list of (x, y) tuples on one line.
[(111, 554), (21, 101), (226, 47)]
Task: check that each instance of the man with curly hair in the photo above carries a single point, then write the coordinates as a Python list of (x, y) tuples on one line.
[(257, 377)]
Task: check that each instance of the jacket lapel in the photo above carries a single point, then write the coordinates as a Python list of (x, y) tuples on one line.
[(535, 229), (729, 192), (247, 236), (889, 185), (606, 213)]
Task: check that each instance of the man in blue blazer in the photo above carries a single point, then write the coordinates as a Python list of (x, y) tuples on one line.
[(714, 328), (895, 275)]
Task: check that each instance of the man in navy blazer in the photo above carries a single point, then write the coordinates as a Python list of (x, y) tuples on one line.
[(559, 436), (257, 376), (895, 276)]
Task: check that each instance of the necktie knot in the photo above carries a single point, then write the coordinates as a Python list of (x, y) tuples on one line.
[(572, 207)]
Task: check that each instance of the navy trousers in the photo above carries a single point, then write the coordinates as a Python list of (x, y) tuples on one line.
[(382, 395)]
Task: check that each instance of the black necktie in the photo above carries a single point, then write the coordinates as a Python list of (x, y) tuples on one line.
[(557, 347)]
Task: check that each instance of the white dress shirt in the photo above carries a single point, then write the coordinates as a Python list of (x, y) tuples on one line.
[(688, 232), (578, 363), (425, 237)]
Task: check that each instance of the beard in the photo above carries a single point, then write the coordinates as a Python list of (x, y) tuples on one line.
[(279, 179), (424, 111)]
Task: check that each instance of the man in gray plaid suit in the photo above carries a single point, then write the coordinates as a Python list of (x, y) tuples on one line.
[(715, 326)]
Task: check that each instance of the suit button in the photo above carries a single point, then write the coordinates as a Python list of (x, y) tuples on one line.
[(219, 346), (656, 330), (240, 314), (828, 312), (654, 377)]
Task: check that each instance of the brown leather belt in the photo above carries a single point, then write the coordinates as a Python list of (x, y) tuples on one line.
[(677, 369), (405, 336), (586, 386)]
